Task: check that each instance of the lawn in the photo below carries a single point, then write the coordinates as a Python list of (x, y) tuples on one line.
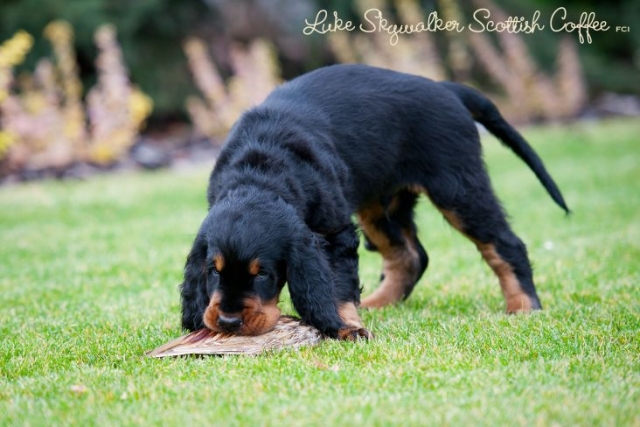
[(88, 282)]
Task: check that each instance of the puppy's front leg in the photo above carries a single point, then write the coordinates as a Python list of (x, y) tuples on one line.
[(313, 292), (342, 253)]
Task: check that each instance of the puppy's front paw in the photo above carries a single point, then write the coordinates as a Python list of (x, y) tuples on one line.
[(354, 334)]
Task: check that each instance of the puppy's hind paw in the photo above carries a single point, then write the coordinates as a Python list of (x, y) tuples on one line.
[(354, 334)]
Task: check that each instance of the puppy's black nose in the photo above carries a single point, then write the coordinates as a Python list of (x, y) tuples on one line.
[(229, 323)]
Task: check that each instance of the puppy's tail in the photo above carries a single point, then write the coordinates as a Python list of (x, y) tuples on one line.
[(486, 113)]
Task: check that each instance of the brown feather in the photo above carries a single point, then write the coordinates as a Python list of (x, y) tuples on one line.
[(288, 332)]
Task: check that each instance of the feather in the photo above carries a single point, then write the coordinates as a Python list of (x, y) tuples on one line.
[(288, 332)]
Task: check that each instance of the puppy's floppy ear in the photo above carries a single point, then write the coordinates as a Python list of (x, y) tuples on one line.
[(193, 290), (311, 283)]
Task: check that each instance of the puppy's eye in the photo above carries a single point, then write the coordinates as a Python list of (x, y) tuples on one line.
[(213, 270), (263, 273)]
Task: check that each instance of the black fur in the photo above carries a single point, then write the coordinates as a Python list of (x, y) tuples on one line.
[(324, 146)]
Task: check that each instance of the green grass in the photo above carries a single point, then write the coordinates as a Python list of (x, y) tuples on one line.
[(88, 283)]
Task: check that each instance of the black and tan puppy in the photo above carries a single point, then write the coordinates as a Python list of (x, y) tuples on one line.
[(341, 140)]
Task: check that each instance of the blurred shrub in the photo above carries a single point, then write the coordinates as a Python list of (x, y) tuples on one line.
[(415, 53), (116, 109), (12, 52), (150, 33), (255, 74), (44, 123), (611, 63), (530, 94), (526, 92)]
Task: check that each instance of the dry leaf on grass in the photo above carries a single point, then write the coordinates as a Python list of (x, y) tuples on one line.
[(288, 332)]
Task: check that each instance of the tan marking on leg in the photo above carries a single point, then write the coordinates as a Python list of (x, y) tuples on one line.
[(411, 246), (400, 264), (398, 267), (370, 213), (453, 219), (353, 329), (517, 300), (349, 314)]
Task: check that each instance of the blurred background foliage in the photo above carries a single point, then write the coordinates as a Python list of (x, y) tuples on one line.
[(150, 33), (203, 62), (612, 61)]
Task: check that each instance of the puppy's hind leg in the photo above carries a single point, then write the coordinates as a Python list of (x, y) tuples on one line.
[(391, 230), (476, 213)]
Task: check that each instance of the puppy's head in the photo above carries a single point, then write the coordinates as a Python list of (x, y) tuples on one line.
[(244, 267), (244, 294)]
